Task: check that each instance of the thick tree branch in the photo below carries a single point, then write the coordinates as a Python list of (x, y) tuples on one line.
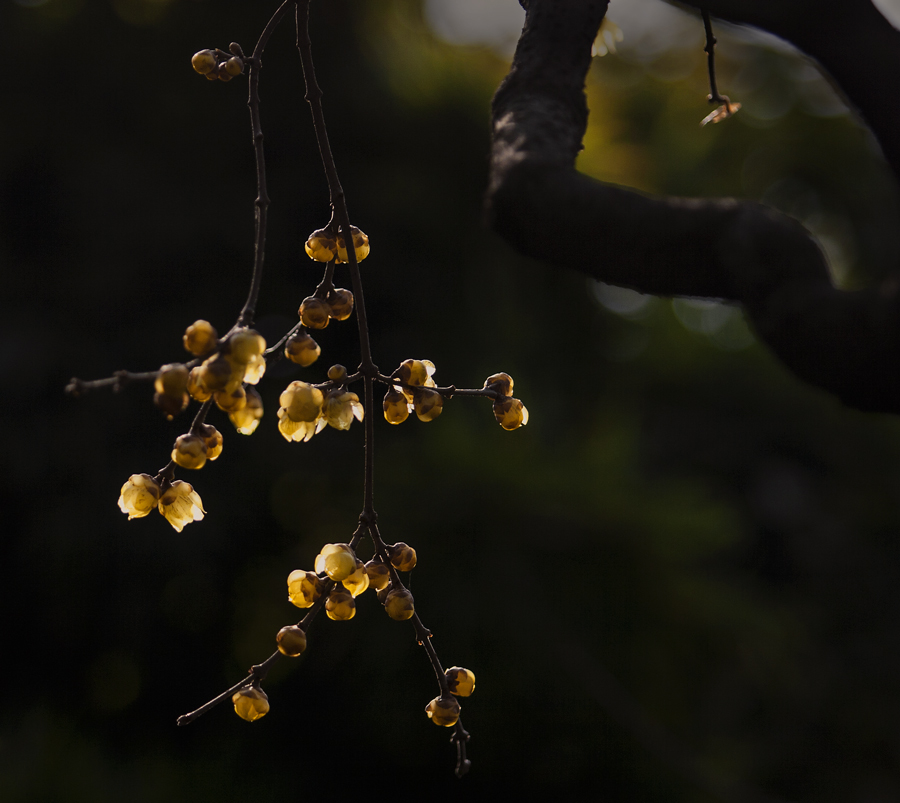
[(846, 343)]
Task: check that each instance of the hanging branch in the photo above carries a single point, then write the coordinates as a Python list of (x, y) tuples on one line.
[(262, 195)]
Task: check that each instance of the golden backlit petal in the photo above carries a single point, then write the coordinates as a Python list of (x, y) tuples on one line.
[(725, 110)]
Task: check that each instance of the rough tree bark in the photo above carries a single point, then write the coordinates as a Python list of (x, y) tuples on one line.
[(847, 343)]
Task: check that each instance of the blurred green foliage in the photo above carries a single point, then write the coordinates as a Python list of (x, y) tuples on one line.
[(684, 540)]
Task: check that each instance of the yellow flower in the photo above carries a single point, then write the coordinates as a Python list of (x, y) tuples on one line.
[(256, 367), (443, 711), (246, 420), (299, 417), (139, 496), (304, 588), (340, 408), (302, 349), (245, 345), (722, 112), (181, 505), (321, 246), (190, 451), (360, 245), (510, 413), (250, 703)]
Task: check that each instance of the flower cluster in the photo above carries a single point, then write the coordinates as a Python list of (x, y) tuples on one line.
[(416, 394), (341, 576), (316, 311), (509, 412), (324, 245), (305, 410), (178, 502), (192, 451), (217, 66), (238, 359), (229, 364)]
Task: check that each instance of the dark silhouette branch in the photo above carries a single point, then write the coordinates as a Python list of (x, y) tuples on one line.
[(847, 343)]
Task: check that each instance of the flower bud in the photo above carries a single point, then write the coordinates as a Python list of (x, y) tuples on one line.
[(501, 383), (304, 588), (337, 373), (379, 574), (427, 403), (213, 440), (338, 561), (302, 349), (360, 245), (415, 372), (244, 345), (291, 641), (510, 413), (314, 313), (234, 66), (357, 582), (196, 388), (395, 406), (250, 703), (399, 604), (171, 405), (443, 711), (215, 373), (403, 556), (321, 246), (204, 61), (340, 605), (200, 337), (190, 451), (172, 380), (246, 420), (340, 302), (461, 681), (231, 401)]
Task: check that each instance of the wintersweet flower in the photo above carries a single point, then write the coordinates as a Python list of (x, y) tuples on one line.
[(246, 420), (256, 367), (250, 703), (417, 373), (302, 349), (340, 408), (245, 345), (139, 496), (724, 111), (299, 417), (360, 246), (181, 505), (510, 413), (321, 246)]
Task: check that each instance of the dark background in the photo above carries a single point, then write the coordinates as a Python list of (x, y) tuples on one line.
[(681, 576)]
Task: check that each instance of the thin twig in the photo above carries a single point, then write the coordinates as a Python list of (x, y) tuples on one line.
[(262, 197), (710, 49), (117, 381), (258, 672), (423, 636), (313, 96)]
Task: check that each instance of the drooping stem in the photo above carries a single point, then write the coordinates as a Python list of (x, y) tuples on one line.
[(262, 196), (313, 96), (423, 636), (710, 49)]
